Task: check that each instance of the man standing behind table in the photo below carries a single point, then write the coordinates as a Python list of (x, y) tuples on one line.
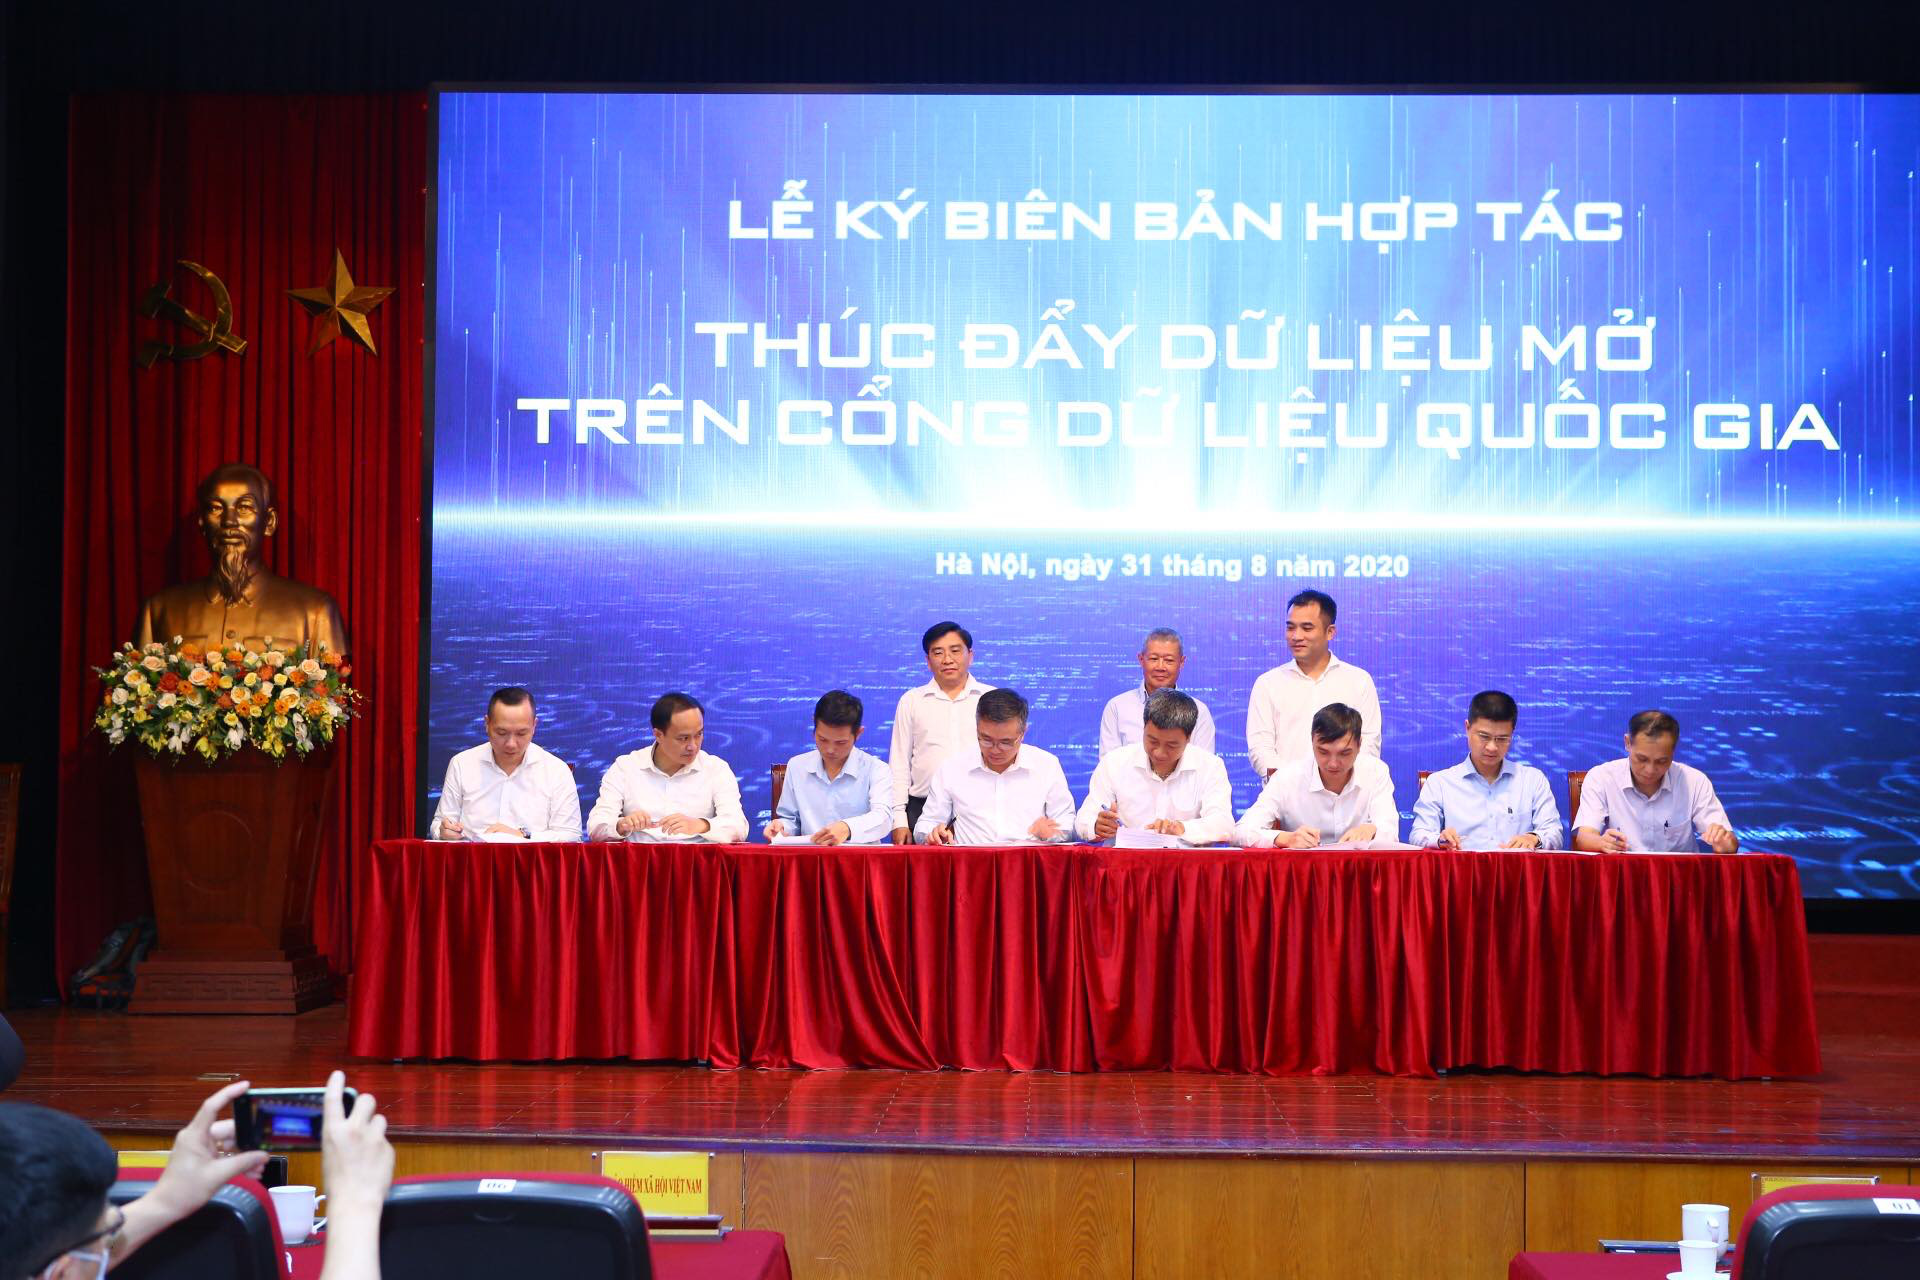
[(1000, 791), (672, 789), (1161, 657), (1487, 801), (835, 793), (1281, 710), (1337, 795), (1162, 783), (508, 785), (932, 721), (1647, 803)]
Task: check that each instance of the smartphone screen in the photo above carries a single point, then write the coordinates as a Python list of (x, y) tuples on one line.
[(281, 1119)]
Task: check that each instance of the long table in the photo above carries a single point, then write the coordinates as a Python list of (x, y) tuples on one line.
[(1076, 958)]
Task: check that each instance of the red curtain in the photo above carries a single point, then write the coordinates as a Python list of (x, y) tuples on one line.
[(261, 191)]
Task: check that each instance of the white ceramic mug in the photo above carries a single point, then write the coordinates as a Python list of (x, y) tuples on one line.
[(1705, 1222), (1699, 1257), (295, 1206)]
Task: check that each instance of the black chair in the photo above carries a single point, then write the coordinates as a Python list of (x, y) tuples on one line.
[(234, 1236), (1823, 1232), (580, 1226)]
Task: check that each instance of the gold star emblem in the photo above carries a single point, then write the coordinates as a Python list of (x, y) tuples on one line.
[(341, 307)]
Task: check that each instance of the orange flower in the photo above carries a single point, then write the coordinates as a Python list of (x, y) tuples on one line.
[(331, 658), (296, 676), (226, 701), (236, 655), (191, 651), (315, 707), (286, 702)]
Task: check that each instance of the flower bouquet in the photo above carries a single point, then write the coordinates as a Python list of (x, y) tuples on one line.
[(179, 699)]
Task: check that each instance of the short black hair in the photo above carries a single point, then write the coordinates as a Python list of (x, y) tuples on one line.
[(1172, 709), (1328, 609), (669, 705), (55, 1173), (511, 696), (1491, 704), (839, 708), (997, 706), (1653, 724), (1335, 721), (940, 629)]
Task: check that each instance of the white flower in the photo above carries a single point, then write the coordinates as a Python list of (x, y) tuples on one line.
[(233, 738), (120, 697), (276, 657), (168, 699), (312, 669), (155, 647), (154, 662), (133, 676), (178, 641)]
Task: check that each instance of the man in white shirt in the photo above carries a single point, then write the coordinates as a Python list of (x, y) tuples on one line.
[(672, 790), (1487, 801), (508, 785), (1161, 658), (1002, 791), (1280, 713), (932, 721), (1337, 795), (1162, 783), (836, 792), (1647, 803)]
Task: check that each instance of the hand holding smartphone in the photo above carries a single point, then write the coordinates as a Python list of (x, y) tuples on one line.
[(282, 1119)]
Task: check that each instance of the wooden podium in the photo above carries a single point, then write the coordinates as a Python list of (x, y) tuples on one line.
[(231, 853)]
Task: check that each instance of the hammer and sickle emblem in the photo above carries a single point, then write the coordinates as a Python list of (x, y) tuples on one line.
[(217, 332)]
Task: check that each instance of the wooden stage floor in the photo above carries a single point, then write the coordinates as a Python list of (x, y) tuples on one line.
[(140, 1074)]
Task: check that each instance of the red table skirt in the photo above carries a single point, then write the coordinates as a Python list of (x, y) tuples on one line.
[(1593, 1266), (740, 1255), (1071, 958)]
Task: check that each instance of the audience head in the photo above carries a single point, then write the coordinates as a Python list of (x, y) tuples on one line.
[(1168, 725), (55, 1173), (1161, 656), (949, 650), (1490, 720), (1310, 617), (1000, 720), (510, 723), (836, 725), (679, 727), (1336, 742), (1651, 739)]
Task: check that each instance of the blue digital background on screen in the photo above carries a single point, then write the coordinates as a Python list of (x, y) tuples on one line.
[(1603, 400)]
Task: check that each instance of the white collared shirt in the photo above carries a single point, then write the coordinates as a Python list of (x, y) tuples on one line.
[(1124, 722), (1280, 713), (1295, 797), (928, 726), (539, 797), (984, 807), (1668, 821), (861, 797), (1196, 794), (705, 789)]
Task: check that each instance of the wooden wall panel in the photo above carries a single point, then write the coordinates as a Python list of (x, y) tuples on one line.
[(945, 1217), (1571, 1204), (1353, 1219)]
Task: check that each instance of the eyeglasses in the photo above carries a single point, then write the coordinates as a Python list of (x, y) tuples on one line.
[(108, 1237)]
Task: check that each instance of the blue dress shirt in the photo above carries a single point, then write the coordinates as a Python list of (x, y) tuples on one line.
[(1487, 814), (861, 797)]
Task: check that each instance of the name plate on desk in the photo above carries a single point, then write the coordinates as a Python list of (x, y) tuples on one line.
[(666, 1184), (1766, 1183)]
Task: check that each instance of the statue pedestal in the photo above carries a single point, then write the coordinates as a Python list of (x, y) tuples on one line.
[(231, 854)]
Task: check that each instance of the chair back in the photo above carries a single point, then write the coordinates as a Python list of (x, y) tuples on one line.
[(234, 1236), (1828, 1230), (456, 1226), (1575, 780), (1424, 775), (779, 785)]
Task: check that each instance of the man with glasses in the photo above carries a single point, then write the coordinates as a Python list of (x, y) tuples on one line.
[(55, 1173), (1487, 801), (1001, 791)]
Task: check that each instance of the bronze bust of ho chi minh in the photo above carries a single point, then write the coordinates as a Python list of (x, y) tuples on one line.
[(241, 604)]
